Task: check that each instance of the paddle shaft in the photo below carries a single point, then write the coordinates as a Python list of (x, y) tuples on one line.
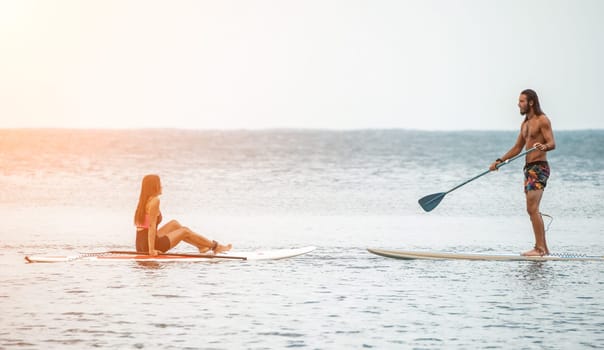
[(431, 201), (488, 171)]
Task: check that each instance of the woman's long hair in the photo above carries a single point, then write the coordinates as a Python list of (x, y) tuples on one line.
[(150, 187)]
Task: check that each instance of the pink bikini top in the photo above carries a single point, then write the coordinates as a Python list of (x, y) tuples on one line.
[(148, 219)]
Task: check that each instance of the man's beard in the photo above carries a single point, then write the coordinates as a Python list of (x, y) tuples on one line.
[(523, 111)]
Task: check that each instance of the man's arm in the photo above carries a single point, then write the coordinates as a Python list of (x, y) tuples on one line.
[(515, 150), (548, 136)]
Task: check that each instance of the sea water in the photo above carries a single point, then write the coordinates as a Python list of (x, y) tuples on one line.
[(69, 191)]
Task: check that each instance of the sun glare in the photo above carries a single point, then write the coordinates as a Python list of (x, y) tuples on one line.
[(12, 14)]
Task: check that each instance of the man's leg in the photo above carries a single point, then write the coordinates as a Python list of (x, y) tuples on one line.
[(533, 199)]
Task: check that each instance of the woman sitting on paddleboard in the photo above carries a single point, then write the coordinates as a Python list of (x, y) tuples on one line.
[(148, 217)]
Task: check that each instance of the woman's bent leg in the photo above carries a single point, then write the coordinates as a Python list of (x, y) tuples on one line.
[(181, 233)]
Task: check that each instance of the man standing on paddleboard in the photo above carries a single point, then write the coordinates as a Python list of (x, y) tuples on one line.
[(535, 131)]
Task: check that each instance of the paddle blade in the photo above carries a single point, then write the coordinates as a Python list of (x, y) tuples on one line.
[(431, 201)]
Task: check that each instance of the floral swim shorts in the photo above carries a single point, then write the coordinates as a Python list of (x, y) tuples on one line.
[(535, 176)]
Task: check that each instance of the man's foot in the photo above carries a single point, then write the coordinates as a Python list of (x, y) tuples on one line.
[(536, 252), (203, 250)]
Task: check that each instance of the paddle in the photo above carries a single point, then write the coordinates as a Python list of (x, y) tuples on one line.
[(431, 201), (209, 256)]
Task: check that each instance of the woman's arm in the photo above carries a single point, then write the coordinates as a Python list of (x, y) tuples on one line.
[(153, 214)]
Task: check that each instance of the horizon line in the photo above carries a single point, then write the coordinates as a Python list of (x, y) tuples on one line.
[(274, 129)]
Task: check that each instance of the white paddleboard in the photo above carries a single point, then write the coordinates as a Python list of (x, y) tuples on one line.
[(427, 255), (274, 254)]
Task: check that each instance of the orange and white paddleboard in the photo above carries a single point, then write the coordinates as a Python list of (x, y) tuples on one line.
[(273, 254)]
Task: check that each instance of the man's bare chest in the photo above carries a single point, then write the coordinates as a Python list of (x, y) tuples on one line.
[(531, 129)]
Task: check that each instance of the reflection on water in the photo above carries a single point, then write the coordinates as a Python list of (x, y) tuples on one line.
[(536, 275), (149, 264), (335, 297)]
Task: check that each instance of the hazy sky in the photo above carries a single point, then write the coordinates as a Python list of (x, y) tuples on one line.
[(317, 64)]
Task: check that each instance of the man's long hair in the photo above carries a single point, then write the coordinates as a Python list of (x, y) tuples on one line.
[(150, 187), (531, 96)]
